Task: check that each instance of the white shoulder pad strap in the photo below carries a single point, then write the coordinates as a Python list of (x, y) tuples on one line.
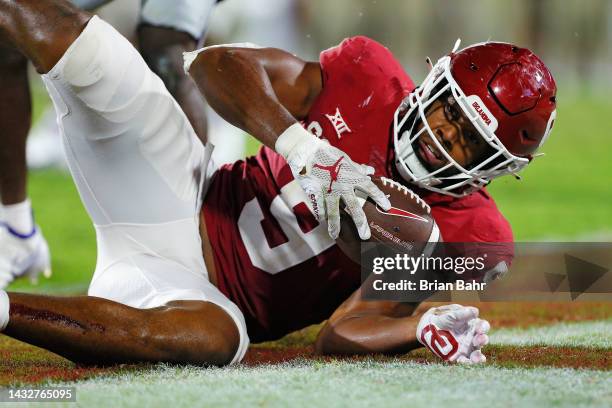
[(189, 57)]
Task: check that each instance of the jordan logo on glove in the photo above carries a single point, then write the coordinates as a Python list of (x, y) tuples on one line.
[(316, 165), (334, 170)]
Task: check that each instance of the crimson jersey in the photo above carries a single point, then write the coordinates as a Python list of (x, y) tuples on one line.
[(273, 258)]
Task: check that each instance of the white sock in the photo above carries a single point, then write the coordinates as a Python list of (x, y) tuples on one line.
[(4, 310), (19, 217)]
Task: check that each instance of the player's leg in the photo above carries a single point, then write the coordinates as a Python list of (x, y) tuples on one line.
[(23, 250), (136, 162), (87, 329), (164, 33), (15, 113)]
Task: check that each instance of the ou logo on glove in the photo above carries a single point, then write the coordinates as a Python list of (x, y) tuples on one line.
[(441, 342)]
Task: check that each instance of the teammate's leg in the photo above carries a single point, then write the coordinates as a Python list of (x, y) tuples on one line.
[(164, 33), (93, 330), (23, 250), (162, 48), (15, 112)]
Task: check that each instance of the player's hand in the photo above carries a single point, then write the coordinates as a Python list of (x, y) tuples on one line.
[(454, 333), (328, 175)]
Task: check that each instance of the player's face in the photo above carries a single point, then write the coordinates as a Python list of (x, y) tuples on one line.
[(454, 132)]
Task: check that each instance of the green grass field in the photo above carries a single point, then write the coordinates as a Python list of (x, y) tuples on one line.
[(365, 383), (541, 355), (558, 364)]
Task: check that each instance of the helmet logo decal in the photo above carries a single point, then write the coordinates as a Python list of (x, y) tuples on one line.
[(484, 114)]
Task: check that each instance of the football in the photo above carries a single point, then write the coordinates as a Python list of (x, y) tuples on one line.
[(407, 227)]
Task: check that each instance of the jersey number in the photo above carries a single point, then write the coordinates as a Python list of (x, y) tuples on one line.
[(276, 241)]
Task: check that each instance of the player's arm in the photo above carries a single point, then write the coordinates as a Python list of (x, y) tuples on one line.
[(452, 332), (265, 91), (260, 90), (364, 327)]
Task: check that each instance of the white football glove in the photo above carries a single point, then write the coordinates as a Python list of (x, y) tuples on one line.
[(454, 333), (328, 175)]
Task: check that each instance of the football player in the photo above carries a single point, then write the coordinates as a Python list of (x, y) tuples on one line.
[(166, 29), (482, 112), (270, 263)]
